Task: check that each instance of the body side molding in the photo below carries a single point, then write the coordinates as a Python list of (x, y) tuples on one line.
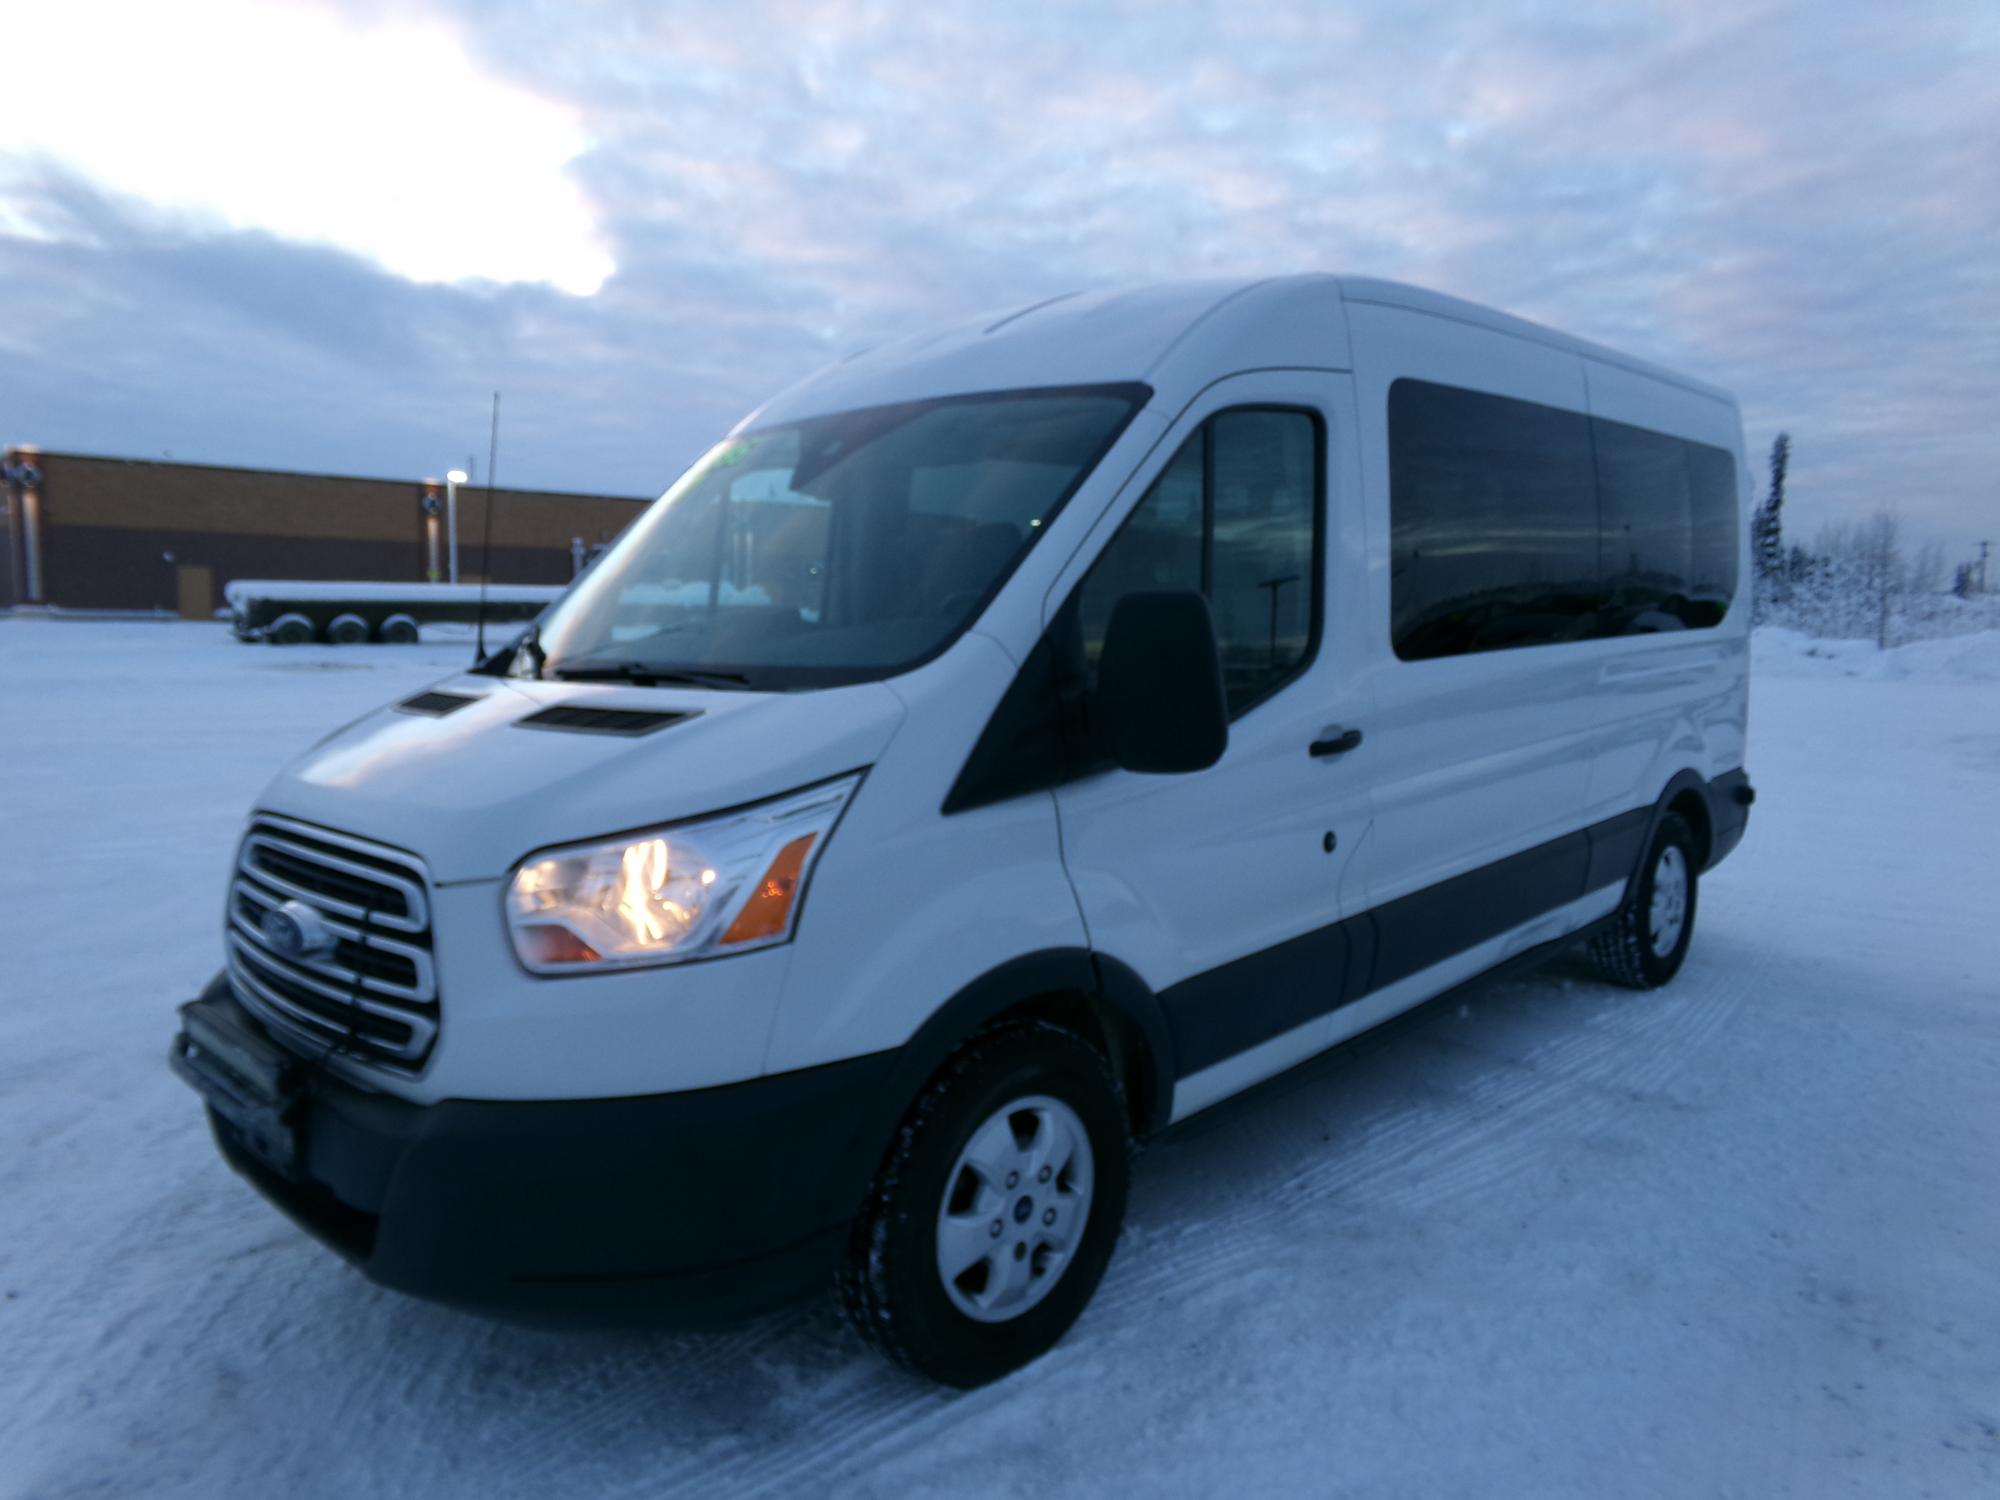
[(1281, 992)]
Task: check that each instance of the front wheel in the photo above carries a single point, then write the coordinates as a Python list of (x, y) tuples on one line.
[(1646, 942), (994, 1216)]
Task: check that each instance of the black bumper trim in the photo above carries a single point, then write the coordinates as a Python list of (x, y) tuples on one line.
[(1729, 799), (684, 1208)]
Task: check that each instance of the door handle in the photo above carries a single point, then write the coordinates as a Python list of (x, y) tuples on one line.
[(1335, 741)]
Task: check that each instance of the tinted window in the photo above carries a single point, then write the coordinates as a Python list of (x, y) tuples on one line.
[(1656, 541), (1235, 515), (1712, 493), (1493, 522), (1515, 524), (1263, 499)]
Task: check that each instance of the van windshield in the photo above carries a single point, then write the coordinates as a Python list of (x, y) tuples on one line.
[(841, 549)]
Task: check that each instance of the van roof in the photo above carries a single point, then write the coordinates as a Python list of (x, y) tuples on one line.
[(1417, 299), (1168, 334)]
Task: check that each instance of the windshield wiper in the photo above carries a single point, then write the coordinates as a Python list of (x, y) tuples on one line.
[(643, 675)]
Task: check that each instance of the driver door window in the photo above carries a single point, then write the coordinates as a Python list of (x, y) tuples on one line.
[(1235, 515)]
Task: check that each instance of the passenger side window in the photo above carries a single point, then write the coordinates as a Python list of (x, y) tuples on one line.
[(1493, 522), (1236, 516), (1517, 524)]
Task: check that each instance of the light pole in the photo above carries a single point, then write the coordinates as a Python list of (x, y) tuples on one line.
[(452, 481)]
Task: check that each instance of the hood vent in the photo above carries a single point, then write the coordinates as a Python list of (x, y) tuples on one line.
[(436, 704), (577, 719)]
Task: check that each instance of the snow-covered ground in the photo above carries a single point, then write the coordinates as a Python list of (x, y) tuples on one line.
[(1738, 1238)]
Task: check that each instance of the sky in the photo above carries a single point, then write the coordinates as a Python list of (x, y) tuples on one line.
[(319, 236)]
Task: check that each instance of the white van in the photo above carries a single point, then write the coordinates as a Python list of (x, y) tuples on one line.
[(1002, 746)]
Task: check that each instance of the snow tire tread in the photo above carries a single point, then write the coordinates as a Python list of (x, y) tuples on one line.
[(1620, 951), (873, 1280)]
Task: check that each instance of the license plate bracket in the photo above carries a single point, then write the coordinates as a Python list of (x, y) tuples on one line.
[(245, 1078)]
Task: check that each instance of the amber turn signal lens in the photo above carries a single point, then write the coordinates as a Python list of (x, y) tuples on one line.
[(770, 905), (556, 945)]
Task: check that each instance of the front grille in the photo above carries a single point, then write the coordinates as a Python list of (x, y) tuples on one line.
[(373, 994)]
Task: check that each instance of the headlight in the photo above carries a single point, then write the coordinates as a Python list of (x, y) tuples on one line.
[(725, 884)]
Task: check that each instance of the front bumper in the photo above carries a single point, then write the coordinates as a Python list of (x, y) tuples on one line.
[(685, 1208)]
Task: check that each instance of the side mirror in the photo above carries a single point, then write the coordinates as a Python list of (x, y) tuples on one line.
[(1159, 684)]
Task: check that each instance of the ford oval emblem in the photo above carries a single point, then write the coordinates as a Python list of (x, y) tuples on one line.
[(296, 931)]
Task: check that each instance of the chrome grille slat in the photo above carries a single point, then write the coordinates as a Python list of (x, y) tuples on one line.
[(374, 996), (420, 959), (317, 1029), (415, 916), (332, 993)]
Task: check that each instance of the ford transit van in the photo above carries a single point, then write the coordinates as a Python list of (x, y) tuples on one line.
[(1000, 747)]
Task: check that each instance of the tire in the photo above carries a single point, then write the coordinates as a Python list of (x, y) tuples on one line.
[(1024, 1081), (397, 630), (347, 630), (291, 630), (1646, 941)]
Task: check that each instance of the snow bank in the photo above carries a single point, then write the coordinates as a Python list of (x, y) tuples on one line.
[(240, 591), (1965, 658)]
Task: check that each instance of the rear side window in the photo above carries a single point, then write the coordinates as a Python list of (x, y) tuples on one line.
[(1712, 546), (1517, 524), (1236, 515)]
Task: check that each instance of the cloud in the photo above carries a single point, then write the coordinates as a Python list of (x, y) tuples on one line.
[(1798, 201), (376, 133)]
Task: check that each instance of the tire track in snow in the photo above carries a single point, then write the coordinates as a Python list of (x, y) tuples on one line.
[(638, 1383), (1493, 1115), (1497, 1120)]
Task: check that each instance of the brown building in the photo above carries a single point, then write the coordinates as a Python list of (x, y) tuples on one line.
[(135, 534)]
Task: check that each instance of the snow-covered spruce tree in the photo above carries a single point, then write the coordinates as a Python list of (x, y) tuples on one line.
[(1767, 537)]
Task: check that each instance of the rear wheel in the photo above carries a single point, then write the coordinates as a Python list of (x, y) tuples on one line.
[(347, 630), (1645, 944), (994, 1216), (398, 630)]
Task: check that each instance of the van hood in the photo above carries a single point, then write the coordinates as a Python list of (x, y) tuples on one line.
[(472, 791)]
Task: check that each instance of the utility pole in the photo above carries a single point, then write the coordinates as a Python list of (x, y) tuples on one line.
[(1984, 548), (451, 483)]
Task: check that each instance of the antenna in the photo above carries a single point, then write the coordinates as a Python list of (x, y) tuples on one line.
[(486, 541)]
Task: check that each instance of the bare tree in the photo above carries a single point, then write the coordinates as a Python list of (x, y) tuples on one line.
[(1853, 581), (1868, 580), (1926, 570), (1881, 555)]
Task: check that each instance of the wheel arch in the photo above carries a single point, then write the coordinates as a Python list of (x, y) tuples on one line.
[(1096, 996), (1686, 794)]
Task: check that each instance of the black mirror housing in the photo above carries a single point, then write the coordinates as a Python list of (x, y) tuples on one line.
[(1159, 684)]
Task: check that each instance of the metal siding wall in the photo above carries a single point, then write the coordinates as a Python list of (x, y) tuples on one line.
[(109, 524), (111, 567)]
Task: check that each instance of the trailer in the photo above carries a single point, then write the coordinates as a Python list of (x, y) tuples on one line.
[(294, 612)]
